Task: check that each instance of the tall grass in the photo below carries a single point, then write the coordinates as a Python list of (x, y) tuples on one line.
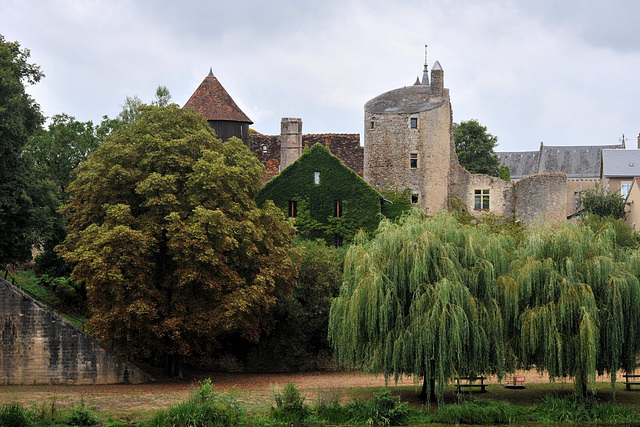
[(482, 411), (15, 415), (204, 408), (574, 408)]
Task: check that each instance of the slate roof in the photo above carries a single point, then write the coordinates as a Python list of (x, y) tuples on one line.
[(576, 161), (620, 163), (212, 101), (409, 99)]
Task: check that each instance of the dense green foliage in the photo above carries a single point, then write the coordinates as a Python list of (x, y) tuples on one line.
[(475, 148), (298, 341), (164, 233), (205, 407), (23, 202), (316, 203), (423, 298), (438, 299), (396, 203), (603, 203)]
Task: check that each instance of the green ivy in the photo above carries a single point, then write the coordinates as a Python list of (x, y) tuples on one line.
[(316, 203)]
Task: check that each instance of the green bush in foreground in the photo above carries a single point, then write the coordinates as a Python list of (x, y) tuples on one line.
[(290, 407), (382, 409), (204, 408), (573, 408), (15, 415), (482, 411)]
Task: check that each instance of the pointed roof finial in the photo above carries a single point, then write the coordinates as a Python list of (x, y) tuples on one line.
[(425, 72), (210, 72), (417, 83)]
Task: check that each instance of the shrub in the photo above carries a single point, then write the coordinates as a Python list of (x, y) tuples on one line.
[(290, 407), (382, 409), (15, 415), (481, 411), (327, 409), (204, 408), (81, 416), (574, 408)]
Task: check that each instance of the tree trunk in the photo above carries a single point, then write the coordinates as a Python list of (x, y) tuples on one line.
[(173, 366), (432, 392)]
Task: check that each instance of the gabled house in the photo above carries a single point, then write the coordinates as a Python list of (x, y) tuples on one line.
[(619, 168), (324, 197)]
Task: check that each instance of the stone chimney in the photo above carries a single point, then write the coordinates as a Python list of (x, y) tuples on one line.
[(437, 80), (290, 141)]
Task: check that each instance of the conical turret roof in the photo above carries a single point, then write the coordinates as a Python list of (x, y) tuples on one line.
[(212, 101)]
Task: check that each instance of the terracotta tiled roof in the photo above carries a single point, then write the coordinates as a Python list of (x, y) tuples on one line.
[(214, 103)]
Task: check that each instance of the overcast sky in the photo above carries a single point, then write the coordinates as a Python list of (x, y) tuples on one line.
[(558, 71)]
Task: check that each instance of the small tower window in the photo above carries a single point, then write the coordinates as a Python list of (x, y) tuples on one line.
[(373, 125), (414, 123), (316, 178), (338, 209), (413, 160), (293, 209), (414, 198)]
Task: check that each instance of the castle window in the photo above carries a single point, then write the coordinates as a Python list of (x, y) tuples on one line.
[(413, 160), (625, 187), (576, 201), (293, 209), (373, 125), (481, 199), (338, 209), (337, 240), (414, 198), (316, 178), (414, 123)]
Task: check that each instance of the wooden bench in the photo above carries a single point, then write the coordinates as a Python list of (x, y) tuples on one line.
[(471, 383), (631, 379), (515, 382)]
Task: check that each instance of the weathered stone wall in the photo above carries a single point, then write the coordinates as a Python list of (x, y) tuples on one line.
[(344, 146), (267, 148), (501, 200), (39, 347), (541, 198), (389, 142)]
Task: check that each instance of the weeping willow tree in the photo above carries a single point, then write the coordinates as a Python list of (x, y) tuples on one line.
[(424, 297), (579, 296)]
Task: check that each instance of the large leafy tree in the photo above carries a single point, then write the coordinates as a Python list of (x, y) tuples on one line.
[(475, 148), (436, 299), (20, 201), (164, 232), (578, 295), (55, 154), (422, 298)]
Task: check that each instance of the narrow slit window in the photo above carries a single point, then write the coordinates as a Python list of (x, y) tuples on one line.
[(413, 160), (316, 178), (293, 209), (373, 125), (338, 209)]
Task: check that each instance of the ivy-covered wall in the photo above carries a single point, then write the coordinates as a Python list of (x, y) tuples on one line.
[(315, 203)]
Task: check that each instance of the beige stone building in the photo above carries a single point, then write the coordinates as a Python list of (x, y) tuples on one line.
[(408, 143)]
